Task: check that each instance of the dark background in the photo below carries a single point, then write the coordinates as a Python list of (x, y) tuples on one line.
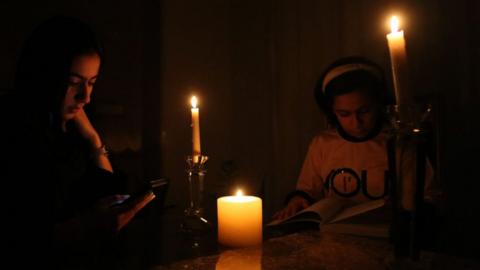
[(253, 65)]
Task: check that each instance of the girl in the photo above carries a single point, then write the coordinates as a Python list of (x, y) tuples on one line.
[(350, 159)]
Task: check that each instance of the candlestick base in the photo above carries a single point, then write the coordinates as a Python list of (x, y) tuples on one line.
[(194, 223), (407, 164), (409, 119)]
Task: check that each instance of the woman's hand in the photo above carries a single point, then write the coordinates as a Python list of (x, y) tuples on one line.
[(86, 129), (295, 205), (107, 217), (114, 215)]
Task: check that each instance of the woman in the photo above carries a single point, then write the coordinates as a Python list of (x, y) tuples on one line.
[(350, 159), (65, 190)]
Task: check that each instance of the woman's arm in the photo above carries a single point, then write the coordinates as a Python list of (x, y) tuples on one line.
[(99, 153)]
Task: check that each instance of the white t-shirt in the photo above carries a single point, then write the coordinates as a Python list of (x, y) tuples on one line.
[(356, 170)]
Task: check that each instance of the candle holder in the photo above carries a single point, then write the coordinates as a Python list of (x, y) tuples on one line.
[(407, 143), (409, 119), (194, 223)]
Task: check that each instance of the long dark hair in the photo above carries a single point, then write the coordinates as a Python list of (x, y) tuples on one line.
[(44, 64)]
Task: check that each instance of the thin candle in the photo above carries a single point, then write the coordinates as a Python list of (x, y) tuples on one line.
[(398, 58), (196, 151)]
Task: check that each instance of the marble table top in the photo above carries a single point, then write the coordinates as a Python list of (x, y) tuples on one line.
[(315, 250)]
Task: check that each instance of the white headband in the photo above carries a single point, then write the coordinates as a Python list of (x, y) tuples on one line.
[(332, 74)]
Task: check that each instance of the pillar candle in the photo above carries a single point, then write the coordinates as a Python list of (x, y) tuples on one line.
[(239, 220), (195, 128), (398, 58)]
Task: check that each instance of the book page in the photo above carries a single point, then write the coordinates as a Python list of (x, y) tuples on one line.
[(327, 208), (358, 209), (320, 211), (303, 217)]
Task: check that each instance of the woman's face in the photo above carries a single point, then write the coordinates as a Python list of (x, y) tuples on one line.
[(83, 75), (356, 113)]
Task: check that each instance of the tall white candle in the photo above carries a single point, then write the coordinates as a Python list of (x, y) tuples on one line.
[(398, 58), (239, 220), (195, 128)]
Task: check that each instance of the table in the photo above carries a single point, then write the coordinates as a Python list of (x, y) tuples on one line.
[(305, 250), (164, 248), (316, 250)]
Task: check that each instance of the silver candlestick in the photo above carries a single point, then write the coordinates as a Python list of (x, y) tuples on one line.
[(194, 221)]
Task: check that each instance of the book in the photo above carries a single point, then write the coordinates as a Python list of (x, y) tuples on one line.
[(370, 218)]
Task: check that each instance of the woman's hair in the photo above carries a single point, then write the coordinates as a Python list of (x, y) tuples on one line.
[(347, 75), (44, 64)]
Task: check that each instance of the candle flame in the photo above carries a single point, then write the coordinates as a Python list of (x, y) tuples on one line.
[(394, 23), (239, 193), (193, 101)]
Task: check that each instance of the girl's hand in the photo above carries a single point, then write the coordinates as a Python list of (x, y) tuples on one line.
[(295, 205)]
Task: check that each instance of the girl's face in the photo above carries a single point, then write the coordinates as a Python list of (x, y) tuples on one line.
[(83, 75), (356, 113)]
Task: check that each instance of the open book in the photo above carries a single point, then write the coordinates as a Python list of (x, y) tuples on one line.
[(342, 216)]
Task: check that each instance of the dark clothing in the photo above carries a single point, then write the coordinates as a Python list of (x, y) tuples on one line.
[(80, 183), (47, 178), (27, 186)]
